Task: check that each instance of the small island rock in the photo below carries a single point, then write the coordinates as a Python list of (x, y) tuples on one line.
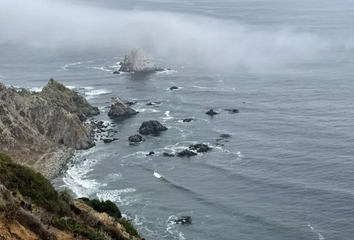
[(151, 127), (119, 109), (211, 112)]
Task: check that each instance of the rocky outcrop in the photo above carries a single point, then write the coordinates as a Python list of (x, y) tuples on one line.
[(136, 138), (137, 62), (193, 150), (173, 88), (69, 100), (119, 109), (35, 128), (151, 127), (211, 112)]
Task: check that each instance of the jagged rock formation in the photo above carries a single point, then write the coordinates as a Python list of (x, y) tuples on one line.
[(211, 112), (137, 62), (37, 127), (119, 109), (151, 127)]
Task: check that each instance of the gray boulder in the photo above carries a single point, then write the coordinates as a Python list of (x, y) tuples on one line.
[(151, 127), (119, 109), (136, 138)]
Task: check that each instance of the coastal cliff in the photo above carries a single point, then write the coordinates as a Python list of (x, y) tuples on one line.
[(41, 130), (38, 134)]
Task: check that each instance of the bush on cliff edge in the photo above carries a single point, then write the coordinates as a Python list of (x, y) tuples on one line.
[(29, 183)]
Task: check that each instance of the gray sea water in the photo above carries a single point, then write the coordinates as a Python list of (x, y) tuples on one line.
[(287, 171)]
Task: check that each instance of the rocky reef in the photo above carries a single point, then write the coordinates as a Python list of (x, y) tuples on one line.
[(137, 62), (42, 129)]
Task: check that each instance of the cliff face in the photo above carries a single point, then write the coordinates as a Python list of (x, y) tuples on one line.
[(37, 127)]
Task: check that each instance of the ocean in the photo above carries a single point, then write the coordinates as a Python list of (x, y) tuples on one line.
[(286, 172)]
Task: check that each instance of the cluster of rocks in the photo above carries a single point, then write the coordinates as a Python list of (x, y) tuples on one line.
[(193, 150)]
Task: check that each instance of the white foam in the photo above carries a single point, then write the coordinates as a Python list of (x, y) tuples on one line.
[(66, 66), (314, 230), (168, 72), (167, 116), (148, 110), (97, 92), (157, 175), (3, 77), (102, 69), (115, 195)]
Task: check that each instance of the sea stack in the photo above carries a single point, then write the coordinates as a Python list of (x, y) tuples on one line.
[(119, 109)]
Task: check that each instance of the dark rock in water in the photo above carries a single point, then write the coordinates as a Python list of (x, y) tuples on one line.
[(232, 111), (187, 119), (150, 153), (119, 109), (165, 154), (225, 135), (136, 138), (116, 72), (129, 103), (151, 127), (173, 88), (108, 140), (184, 220), (211, 112), (186, 153), (137, 62), (200, 147), (152, 103)]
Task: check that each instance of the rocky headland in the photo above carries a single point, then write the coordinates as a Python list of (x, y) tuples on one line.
[(38, 134), (41, 130)]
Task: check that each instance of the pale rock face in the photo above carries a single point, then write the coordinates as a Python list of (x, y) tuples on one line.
[(119, 109), (34, 126), (137, 62)]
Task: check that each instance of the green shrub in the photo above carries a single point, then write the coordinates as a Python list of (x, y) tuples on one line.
[(80, 229), (129, 228), (29, 183), (107, 206)]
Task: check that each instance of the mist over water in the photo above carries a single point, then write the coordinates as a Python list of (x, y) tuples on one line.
[(286, 172), (196, 39)]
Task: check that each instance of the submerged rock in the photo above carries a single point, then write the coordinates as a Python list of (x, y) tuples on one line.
[(211, 112), (184, 220), (193, 150), (187, 119), (165, 154), (136, 138), (151, 127), (232, 111), (173, 88), (225, 135), (137, 62), (200, 147), (119, 109), (109, 140), (150, 153), (186, 153)]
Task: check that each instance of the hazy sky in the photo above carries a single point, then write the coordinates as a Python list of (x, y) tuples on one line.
[(51, 23)]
